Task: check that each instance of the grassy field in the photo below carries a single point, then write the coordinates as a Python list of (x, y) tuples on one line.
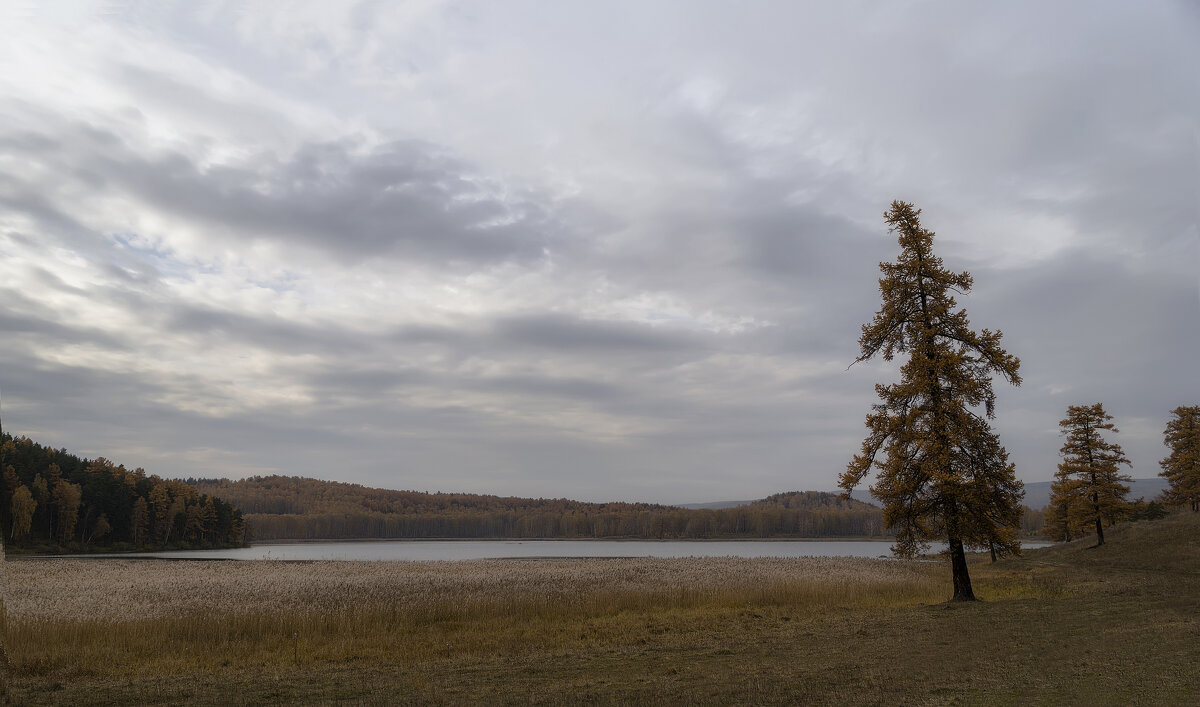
[(1066, 625)]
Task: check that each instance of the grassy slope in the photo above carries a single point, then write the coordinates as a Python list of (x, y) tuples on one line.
[(1065, 625)]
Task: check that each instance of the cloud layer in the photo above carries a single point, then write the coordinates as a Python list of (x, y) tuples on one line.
[(601, 251)]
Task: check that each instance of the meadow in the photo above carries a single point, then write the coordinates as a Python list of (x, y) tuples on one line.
[(1069, 625)]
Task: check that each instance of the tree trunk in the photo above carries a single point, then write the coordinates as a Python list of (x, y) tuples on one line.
[(962, 577), (1099, 531), (992, 549)]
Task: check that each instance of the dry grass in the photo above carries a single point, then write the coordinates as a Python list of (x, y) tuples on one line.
[(120, 590), (122, 617), (763, 631)]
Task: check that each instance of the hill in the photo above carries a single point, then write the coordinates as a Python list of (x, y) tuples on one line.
[(285, 507), (860, 495)]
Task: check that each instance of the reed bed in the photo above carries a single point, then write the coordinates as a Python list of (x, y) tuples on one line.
[(109, 618), (614, 631), (121, 590)]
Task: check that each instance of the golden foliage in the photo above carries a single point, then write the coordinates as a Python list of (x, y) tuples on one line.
[(942, 473), (1181, 467), (1087, 491)]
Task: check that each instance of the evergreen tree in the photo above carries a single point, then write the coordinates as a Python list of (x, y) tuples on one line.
[(1181, 467), (1096, 494), (67, 498), (943, 475), (139, 523), (100, 529)]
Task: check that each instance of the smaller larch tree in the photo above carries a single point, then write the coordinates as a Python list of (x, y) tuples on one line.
[(1090, 471), (1062, 515), (1181, 467)]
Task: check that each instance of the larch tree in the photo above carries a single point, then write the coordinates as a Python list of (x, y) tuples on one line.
[(942, 474), (1092, 463), (1181, 467)]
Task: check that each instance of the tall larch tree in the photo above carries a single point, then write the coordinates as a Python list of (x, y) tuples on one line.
[(942, 474), (1181, 467), (1093, 463)]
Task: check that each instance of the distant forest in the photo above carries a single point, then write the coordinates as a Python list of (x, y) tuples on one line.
[(54, 501), (284, 507)]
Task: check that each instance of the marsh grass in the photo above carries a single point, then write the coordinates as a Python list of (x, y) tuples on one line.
[(1066, 625), (408, 613)]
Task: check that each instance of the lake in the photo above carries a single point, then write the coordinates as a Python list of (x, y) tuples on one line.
[(424, 550)]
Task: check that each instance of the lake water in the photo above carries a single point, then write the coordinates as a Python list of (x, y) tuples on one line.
[(409, 550)]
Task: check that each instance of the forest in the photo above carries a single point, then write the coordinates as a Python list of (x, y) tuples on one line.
[(54, 501), (283, 507)]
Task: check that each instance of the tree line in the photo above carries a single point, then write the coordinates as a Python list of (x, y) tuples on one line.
[(282, 507), (54, 501)]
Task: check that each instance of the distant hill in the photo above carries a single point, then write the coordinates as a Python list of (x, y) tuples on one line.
[(715, 505), (1037, 494), (811, 500), (284, 507), (860, 495)]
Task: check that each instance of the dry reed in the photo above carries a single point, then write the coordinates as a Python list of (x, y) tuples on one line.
[(104, 618)]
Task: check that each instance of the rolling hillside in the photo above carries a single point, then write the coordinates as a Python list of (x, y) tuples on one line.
[(282, 507)]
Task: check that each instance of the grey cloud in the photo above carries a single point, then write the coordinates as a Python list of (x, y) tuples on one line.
[(341, 378), (31, 325), (1098, 326), (401, 200), (1003, 113), (370, 383), (571, 388), (566, 333), (405, 199), (268, 332)]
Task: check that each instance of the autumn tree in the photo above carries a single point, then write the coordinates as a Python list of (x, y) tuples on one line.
[(1181, 467), (1090, 470), (139, 522), (992, 494), (67, 498), (100, 529), (942, 474), (99, 502), (23, 507), (1062, 515), (160, 512), (41, 494)]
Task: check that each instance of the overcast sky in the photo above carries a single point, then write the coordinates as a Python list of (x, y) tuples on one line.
[(601, 250)]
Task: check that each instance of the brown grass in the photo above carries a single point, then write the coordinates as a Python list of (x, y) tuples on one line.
[(1114, 625)]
